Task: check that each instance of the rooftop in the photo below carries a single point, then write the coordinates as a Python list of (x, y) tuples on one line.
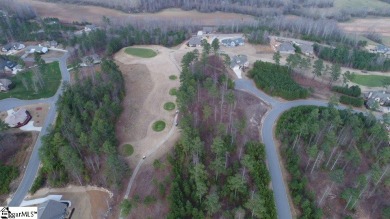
[(286, 47), (52, 209), (16, 117), (238, 60), (195, 40)]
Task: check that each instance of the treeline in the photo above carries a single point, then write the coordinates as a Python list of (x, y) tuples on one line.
[(353, 101), (341, 156), (355, 58), (216, 171), (82, 147), (7, 174), (353, 91), (276, 80)]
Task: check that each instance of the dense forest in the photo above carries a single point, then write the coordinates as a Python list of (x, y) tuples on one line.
[(82, 147), (338, 161), (219, 169), (355, 58), (276, 80)]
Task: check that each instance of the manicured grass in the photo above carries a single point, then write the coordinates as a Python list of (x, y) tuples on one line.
[(51, 78), (371, 80), (173, 77), (173, 92), (159, 126), (140, 52), (169, 106), (128, 149)]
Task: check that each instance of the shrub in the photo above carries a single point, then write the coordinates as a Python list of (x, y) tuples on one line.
[(125, 207), (169, 106), (7, 174), (353, 101), (38, 182), (173, 77), (128, 149), (353, 91), (148, 200), (159, 126), (173, 92)]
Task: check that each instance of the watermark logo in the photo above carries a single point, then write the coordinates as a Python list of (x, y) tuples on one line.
[(19, 212)]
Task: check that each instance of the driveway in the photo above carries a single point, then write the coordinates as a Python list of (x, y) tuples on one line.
[(33, 164)]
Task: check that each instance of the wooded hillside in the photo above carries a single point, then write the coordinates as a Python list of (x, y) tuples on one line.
[(219, 167), (82, 147), (338, 162)]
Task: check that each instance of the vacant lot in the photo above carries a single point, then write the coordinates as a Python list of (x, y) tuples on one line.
[(24, 88), (364, 25), (371, 80), (140, 52)]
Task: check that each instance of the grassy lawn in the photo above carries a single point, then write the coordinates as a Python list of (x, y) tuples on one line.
[(159, 126), (169, 106), (173, 77), (173, 92), (128, 150), (370, 80), (51, 78), (140, 52)]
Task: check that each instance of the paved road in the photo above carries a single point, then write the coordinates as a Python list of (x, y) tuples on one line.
[(33, 164), (267, 130)]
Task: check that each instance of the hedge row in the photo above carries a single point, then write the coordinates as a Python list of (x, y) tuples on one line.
[(353, 101), (353, 91)]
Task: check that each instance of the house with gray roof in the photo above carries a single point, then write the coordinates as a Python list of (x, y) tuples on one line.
[(233, 42), (38, 49), (5, 85), (6, 64), (195, 41), (382, 49), (90, 60), (239, 60), (286, 48), (11, 46), (306, 49), (373, 98), (52, 210)]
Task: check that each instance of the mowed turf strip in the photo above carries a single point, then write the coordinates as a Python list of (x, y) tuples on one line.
[(140, 52), (371, 80)]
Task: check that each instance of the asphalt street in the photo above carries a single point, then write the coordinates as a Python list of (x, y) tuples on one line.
[(33, 164)]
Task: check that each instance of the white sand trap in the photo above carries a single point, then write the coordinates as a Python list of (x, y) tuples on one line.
[(238, 72), (30, 127)]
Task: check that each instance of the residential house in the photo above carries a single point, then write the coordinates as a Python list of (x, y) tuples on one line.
[(208, 30), (200, 33), (38, 49), (52, 209), (7, 65), (90, 60), (306, 49), (240, 61), (195, 41), (233, 42), (11, 46), (17, 119), (5, 85), (286, 48), (382, 49), (375, 98), (89, 28), (51, 44)]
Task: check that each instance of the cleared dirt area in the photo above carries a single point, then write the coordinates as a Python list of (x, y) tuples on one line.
[(89, 202), (70, 13), (147, 89), (377, 24)]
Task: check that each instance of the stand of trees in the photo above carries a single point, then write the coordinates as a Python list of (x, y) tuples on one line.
[(335, 153), (82, 147), (216, 170), (355, 58), (353, 91), (7, 174), (276, 80)]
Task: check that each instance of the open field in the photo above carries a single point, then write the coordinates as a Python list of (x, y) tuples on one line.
[(371, 80), (70, 13), (140, 52), (348, 4), (364, 25), (51, 79), (89, 202)]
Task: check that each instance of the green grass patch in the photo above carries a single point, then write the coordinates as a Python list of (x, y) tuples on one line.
[(128, 149), (173, 77), (169, 106), (371, 80), (140, 52), (173, 92), (51, 81), (159, 126)]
